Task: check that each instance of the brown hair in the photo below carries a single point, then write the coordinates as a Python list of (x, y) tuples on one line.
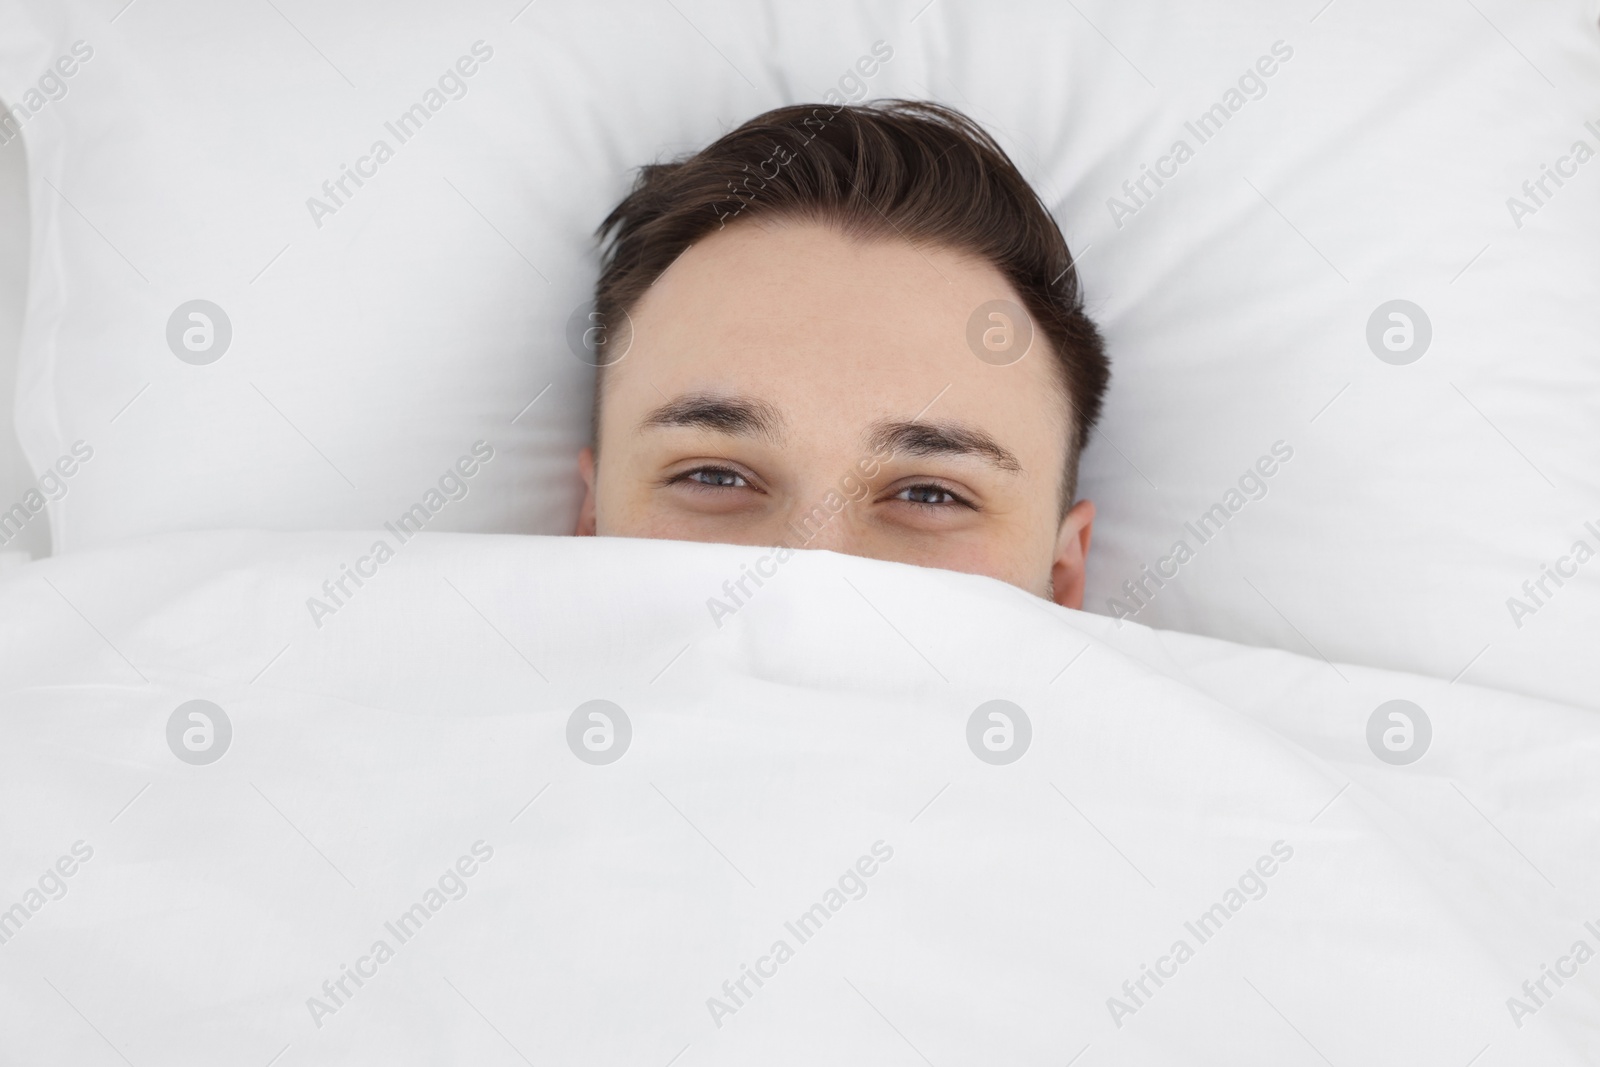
[(895, 168)]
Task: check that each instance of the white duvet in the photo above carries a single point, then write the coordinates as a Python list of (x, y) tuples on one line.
[(398, 829)]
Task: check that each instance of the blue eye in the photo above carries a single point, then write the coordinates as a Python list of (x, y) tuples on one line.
[(715, 477)]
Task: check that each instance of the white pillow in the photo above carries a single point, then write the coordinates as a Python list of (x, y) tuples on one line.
[(375, 345), (1247, 302)]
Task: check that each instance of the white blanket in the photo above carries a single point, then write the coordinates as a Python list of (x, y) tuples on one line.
[(411, 851)]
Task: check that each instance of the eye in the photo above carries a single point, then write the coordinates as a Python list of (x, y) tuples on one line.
[(714, 478), (932, 496)]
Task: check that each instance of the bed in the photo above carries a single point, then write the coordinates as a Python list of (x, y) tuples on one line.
[(1323, 792)]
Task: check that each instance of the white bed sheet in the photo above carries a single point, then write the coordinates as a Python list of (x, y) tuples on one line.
[(428, 713)]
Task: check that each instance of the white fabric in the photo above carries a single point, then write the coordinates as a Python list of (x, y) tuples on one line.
[(1377, 162), (769, 754), (15, 477)]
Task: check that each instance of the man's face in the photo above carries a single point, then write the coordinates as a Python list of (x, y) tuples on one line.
[(786, 384)]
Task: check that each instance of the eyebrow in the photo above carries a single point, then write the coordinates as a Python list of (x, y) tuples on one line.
[(941, 439), (734, 415)]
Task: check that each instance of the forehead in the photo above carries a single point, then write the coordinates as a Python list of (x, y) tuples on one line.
[(835, 327)]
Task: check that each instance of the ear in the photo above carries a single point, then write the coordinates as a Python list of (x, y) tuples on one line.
[(586, 521), (1072, 553)]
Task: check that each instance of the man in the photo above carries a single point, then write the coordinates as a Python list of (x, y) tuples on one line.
[(852, 328)]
